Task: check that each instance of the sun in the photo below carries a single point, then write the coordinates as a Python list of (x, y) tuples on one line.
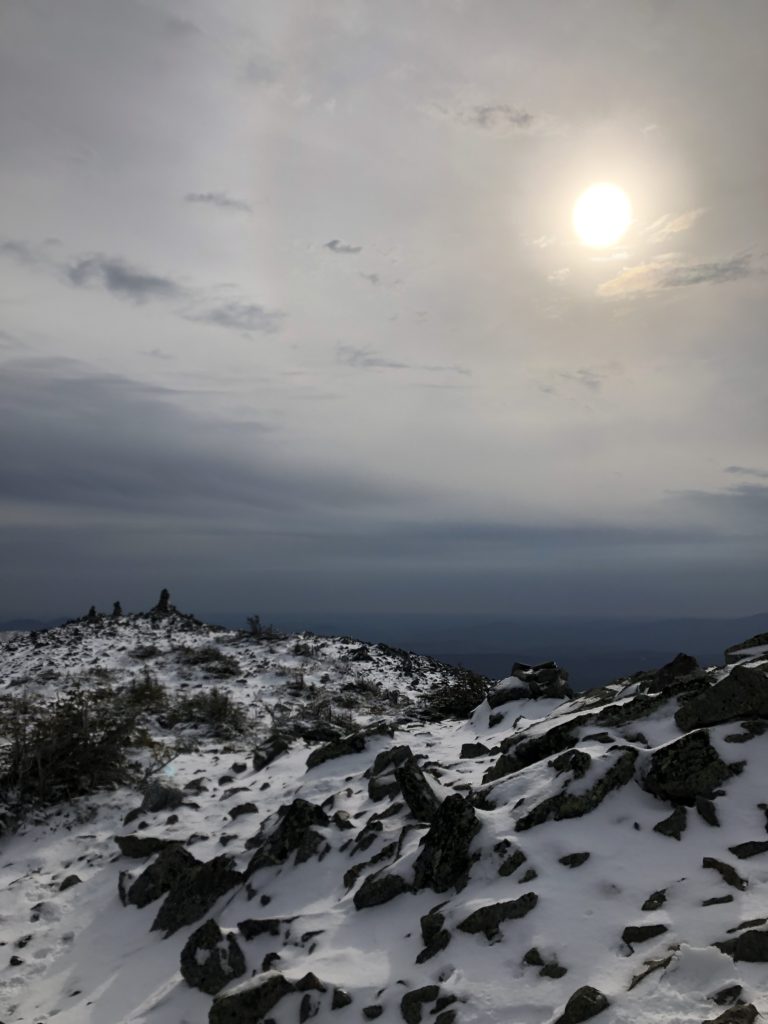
[(602, 214)]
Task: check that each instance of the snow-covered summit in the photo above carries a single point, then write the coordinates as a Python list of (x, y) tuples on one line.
[(342, 857)]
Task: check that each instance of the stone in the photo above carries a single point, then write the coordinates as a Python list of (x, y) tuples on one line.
[(512, 857), (634, 934), (656, 900), (683, 667), (520, 753), (444, 861), (209, 960), (69, 881), (716, 901), (434, 933), (553, 970), (744, 1014), (292, 832), (574, 805), (574, 860), (249, 1004), (352, 743), (159, 796), (139, 847), (251, 928), (417, 793), (742, 694), (707, 811), (373, 1011), (674, 825), (750, 849), (241, 809), (574, 761), (750, 946), (194, 893), (412, 1002), (728, 874), (686, 769), (173, 863), (586, 1002), (473, 750), (726, 995), (487, 919), (268, 752), (378, 889), (340, 999)]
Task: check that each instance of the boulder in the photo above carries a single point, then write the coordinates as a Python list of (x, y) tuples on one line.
[(574, 860), (473, 750), (291, 831), (194, 892), (742, 694), (444, 860), (138, 847), (751, 849), (159, 796), (656, 900), (586, 1002), (487, 919), (412, 1002), (269, 751), (173, 863), (417, 792), (352, 743), (636, 933), (750, 946), (209, 960), (668, 679), (378, 889), (251, 1002), (686, 769), (728, 874), (434, 933), (746, 1013), (674, 825)]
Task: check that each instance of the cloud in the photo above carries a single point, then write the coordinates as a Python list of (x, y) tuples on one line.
[(666, 226), (590, 379), (761, 474), (657, 275), (367, 359), (220, 199), (240, 316), (372, 278), (121, 279), (497, 117), (341, 248)]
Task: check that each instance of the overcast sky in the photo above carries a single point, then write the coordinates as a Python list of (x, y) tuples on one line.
[(293, 317)]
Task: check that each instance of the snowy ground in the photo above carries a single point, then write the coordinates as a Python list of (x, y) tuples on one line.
[(78, 956)]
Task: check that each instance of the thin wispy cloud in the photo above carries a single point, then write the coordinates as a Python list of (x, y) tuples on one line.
[(342, 248), (666, 226), (657, 275), (760, 474), (498, 116), (220, 199), (367, 359), (248, 317)]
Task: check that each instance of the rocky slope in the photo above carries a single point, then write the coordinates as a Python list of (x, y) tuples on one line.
[(341, 857)]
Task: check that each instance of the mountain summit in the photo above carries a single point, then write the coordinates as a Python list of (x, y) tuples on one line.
[(210, 825)]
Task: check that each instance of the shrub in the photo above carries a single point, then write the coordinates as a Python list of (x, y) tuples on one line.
[(64, 749), (146, 693), (214, 662), (457, 696), (214, 708)]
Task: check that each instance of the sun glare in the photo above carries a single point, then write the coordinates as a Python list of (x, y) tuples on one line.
[(602, 214)]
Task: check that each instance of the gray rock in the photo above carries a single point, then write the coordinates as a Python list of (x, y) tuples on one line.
[(751, 946), (194, 893), (674, 825), (686, 769), (742, 694), (412, 1002), (434, 933), (586, 1002), (574, 860), (352, 743), (292, 832), (444, 860), (340, 999), (373, 1011), (682, 668), (707, 811), (574, 805), (656, 900), (729, 994), (750, 849), (209, 961), (473, 750), (417, 793), (269, 751), (728, 874), (246, 808), (159, 796), (487, 919), (139, 847), (173, 863), (249, 1005), (634, 934), (378, 889), (69, 881), (744, 1014)]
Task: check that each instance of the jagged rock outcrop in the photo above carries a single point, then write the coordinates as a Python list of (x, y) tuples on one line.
[(210, 960), (269, 751), (422, 801), (488, 918), (378, 889), (251, 1001), (444, 861), (294, 832), (686, 769), (531, 681), (173, 864), (352, 743), (138, 847), (159, 796), (742, 694), (194, 892)]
